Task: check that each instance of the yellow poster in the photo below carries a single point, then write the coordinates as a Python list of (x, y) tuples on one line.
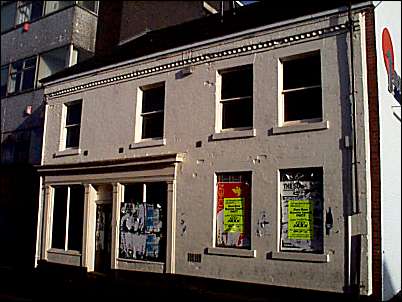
[(300, 219), (233, 215)]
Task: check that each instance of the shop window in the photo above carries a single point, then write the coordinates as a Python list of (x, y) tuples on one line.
[(152, 111), (233, 210), (22, 75), (68, 215), (53, 6), (28, 11), (236, 101), (301, 92), (73, 124), (301, 194), (8, 12), (52, 62), (4, 76), (143, 222)]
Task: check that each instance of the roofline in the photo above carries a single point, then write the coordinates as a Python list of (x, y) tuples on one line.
[(209, 41)]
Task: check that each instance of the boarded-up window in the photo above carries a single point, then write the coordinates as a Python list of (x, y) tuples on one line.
[(302, 210), (233, 210), (142, 222)]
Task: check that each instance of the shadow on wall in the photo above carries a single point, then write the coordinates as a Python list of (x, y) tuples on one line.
[(19, 192), (24, 144), (390, 293)]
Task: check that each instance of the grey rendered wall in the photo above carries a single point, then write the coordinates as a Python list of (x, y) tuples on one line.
[(45, 34), (108, 124)]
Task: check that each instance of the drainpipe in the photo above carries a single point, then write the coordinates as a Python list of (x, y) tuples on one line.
[(354, 207)]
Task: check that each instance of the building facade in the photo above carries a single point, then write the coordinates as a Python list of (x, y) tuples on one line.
[(246, 157), (38, 38)]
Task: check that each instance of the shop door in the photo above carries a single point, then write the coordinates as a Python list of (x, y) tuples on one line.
[(103, 237)]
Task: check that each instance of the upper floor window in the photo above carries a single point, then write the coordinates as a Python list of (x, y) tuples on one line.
[(8, 12), (152, 111), (28, 11), (90, 5), (53, 6), (301, 88), (22, 75), (236, 97), (4, 76), (73, 124), (52, 62)]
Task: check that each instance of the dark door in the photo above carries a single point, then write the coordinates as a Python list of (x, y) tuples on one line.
[(103, 237)]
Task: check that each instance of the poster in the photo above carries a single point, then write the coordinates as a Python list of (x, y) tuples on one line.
[(232, 223), (302, 210), (300, 223), (233, 215)]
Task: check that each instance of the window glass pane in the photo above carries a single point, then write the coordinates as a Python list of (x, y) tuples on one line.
[(133, 193), (302, 210), (59, 217), (28, 79), (153, 99), (8, 16), (90, 5), (237, 83), (233, 210), (303, 104), (73, 114), (24, 13), (4, 76), (16, 66), (73, 136), (31, 62), (52, 6), (14, 83), (52, 62), (37, 9), (152, 125), (302, 72), (142, 225), (76, 216), (238, 113)]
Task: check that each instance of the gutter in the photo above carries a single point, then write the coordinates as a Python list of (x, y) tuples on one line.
[(211, 41)]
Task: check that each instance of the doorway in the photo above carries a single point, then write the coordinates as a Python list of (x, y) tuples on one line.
[(103, 230)]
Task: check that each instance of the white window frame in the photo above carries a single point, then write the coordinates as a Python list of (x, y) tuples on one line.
[(282, 91), (219, 101), (22, 72), (67, 221), (63, 139), (138, 133)]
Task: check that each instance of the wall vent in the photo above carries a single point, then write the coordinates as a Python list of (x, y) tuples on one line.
[(191, 257)]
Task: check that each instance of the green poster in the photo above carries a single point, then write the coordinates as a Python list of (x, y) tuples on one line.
[(300, 219), (233, 215)]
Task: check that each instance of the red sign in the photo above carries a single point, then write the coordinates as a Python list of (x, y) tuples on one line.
[(394, 80)]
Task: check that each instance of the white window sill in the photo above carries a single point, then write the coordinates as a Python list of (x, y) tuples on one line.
[(64, 252), (233, 252), (299, 256), (300, 127), (234, 134), (67, 152), (148, 143)]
